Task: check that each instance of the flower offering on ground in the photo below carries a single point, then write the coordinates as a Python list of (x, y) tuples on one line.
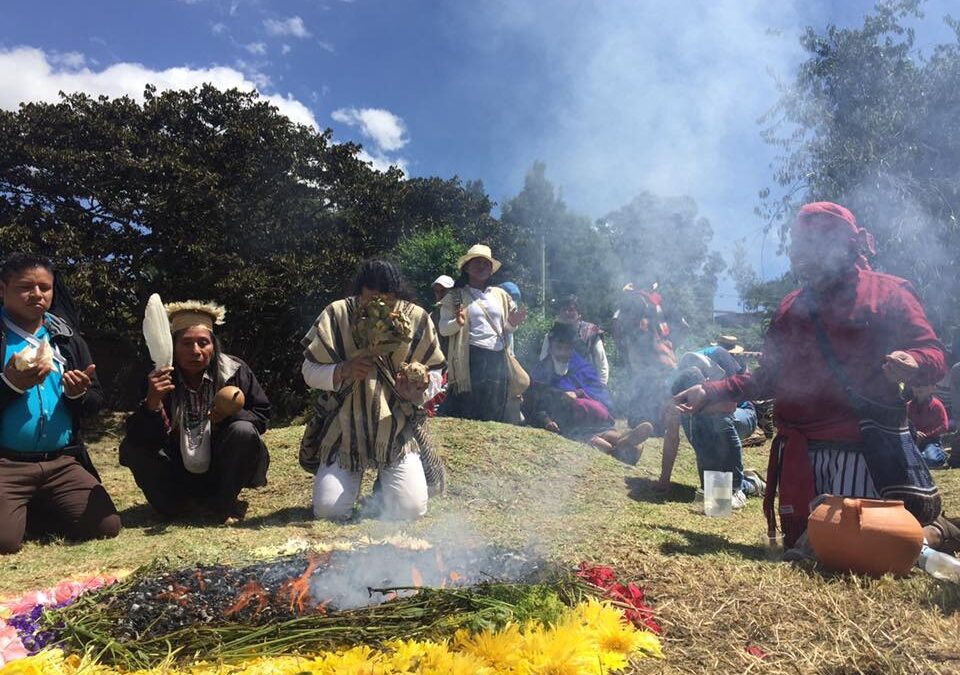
[(272, 617)]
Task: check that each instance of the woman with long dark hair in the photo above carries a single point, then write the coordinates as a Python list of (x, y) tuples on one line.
[(369, 407), (180, 451), (477, 317)]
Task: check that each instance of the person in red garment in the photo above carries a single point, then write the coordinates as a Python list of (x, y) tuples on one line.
[(877, 337)]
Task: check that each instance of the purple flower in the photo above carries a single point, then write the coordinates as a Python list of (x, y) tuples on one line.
[(28, 627)]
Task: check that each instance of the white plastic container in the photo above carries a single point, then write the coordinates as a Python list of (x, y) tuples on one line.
[(718, 493), (939, 565)]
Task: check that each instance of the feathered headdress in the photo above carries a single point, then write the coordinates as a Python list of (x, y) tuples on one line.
[(195, 313)]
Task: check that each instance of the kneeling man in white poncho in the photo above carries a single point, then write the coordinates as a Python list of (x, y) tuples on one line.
[(375, 359)]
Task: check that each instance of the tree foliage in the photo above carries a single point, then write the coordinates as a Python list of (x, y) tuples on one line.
[(874, 123), (213, 194), (423, 256), (665, 241), (577, 255)]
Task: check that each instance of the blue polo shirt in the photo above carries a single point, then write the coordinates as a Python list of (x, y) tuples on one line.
[(38, 420)]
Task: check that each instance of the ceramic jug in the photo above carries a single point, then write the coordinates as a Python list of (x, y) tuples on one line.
[(866, 536)]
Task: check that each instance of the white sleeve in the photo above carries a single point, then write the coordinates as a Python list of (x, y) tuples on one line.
[(318, 375), (448, 320), (435, 385), (600, 358)]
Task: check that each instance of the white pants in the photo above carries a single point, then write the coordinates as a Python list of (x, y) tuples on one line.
[(403, 488)]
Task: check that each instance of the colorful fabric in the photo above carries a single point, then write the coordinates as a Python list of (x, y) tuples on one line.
[(867, 317), (38, 420), (581, 378)]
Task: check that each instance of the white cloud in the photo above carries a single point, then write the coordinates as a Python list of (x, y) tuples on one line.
[(218, 28), (285, 49), (257, 48), (381, 162), (29, 74), (381, 126), (328, 46), (293, 26), (68, 59)]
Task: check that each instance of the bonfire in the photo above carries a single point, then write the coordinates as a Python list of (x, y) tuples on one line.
[(395, 609)]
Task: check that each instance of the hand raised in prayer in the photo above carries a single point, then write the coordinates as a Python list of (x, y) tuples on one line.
[(690, 401), (517, 316), (159, 384), (461, 315), (899, 366), (76, 382), (25, 379)]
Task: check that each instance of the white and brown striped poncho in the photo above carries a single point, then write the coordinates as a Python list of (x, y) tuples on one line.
[(367, 422)]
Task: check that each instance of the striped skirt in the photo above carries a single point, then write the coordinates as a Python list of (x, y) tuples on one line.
[(840, 469)]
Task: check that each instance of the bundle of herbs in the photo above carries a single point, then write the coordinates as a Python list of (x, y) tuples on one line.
[(380, 326)]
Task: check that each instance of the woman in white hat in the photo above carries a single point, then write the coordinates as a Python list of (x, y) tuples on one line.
[(477, 317)]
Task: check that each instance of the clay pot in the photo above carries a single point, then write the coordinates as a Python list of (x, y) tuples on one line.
[(866, 536), (228, 401)]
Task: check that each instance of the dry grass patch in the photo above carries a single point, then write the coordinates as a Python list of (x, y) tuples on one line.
[(709, 580)]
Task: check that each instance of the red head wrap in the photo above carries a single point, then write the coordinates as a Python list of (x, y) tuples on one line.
[(840, 220)]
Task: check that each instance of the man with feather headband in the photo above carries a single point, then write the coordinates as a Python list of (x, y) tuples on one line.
[(182, 449), (375, 358)]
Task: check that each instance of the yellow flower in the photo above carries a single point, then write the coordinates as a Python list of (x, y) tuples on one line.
[(562, 650), (609, 633), (500, 650), (359, 660), (47, 662)]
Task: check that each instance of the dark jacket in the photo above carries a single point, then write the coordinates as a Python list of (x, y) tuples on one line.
[(149, 431), (74, 349)]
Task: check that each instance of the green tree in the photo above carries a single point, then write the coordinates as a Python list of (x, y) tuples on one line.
[(665, 241), (576, 254), (423, 256), (210, 194), (873, 122)]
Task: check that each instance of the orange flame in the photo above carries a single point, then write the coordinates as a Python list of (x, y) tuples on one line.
[(454, 577), (416, 576), (251, 592), (177, 594), (298, 590)]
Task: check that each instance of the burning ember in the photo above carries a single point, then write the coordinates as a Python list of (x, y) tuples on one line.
[(304, 584), (382, 595)]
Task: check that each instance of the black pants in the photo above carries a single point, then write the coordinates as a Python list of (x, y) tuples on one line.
[(487, 398), (172, 490)]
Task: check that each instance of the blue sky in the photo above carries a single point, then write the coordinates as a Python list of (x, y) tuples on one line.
[(615, 96)]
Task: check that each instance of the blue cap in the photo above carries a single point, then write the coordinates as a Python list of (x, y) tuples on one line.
[(512, 289)]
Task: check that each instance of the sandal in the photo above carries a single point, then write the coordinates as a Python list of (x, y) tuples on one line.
[(949, 534)]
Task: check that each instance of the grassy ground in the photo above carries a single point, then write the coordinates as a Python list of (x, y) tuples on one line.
[(710, 581)]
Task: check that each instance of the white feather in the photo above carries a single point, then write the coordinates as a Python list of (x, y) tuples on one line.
[(156, 333)]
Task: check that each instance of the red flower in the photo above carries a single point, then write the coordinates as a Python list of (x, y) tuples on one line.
[(632, 596)]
